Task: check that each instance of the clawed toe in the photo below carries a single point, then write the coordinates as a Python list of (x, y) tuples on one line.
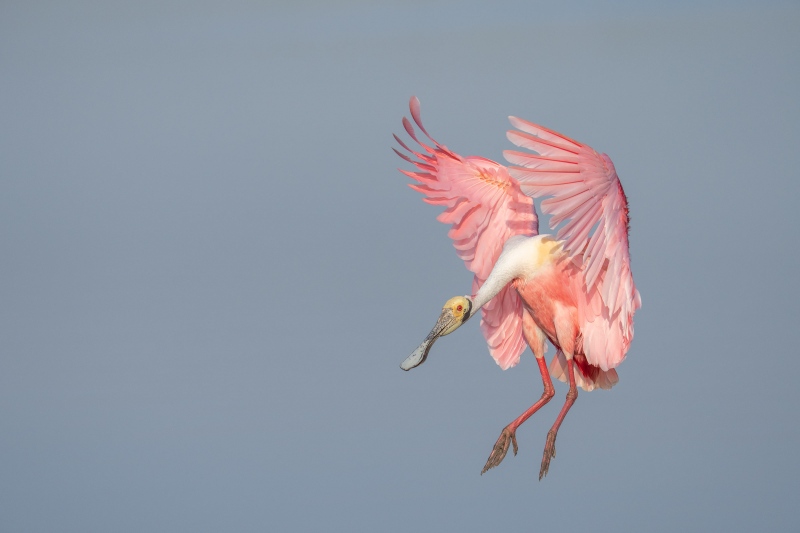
[(549, 453), (501, 448)]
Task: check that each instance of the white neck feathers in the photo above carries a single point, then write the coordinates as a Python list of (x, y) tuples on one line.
[(522, 257)]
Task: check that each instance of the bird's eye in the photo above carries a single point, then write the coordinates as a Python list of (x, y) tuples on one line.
[(459, 308)]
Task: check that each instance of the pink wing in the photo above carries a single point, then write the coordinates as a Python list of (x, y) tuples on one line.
[(485, 207), (589, 205)]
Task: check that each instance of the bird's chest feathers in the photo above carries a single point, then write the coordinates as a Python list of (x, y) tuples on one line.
[(543, 290), (543, 280)]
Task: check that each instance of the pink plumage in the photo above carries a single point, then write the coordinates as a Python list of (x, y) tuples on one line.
[(584, 192), (575, 289), (485, 207)]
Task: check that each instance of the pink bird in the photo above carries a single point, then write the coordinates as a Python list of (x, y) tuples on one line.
[(575, 289)]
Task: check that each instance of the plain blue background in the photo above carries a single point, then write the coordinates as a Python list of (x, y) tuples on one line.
[(210, 269)]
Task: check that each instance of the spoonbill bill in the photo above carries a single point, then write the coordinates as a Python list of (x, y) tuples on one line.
[(574, 289)]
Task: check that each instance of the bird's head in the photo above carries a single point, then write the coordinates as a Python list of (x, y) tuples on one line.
[(455, 312)]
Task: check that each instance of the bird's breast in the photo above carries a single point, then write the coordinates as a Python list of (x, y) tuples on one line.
[(541, 290)]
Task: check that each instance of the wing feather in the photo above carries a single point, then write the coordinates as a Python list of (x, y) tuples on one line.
[(589, 211), (484, 207)]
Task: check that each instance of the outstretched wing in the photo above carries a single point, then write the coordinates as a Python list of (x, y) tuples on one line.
[(485, 207), (590, 210)]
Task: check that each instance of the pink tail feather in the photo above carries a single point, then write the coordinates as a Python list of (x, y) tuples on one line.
[(588, 377)]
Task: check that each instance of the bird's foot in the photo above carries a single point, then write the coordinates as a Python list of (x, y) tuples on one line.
[(549, 453), (501, 448)]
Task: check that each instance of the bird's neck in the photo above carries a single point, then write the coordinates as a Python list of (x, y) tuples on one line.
[(522, 257), (493, 285)]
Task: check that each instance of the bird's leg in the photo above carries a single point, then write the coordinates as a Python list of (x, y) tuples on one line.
[(550, 444), (509, 432)]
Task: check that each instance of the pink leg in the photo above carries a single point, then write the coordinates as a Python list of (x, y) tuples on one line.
[(550, 444), (509, 432)]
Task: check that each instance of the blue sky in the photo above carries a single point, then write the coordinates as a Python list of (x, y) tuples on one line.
[(212, 269)]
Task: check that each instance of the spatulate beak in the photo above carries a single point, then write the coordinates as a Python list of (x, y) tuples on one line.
[(419, 355)]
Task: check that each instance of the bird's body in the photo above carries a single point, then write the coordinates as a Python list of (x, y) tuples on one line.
[(550, 287), (574, 289)]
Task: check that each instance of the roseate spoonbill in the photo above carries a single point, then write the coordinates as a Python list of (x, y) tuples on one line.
[(575, 289)]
